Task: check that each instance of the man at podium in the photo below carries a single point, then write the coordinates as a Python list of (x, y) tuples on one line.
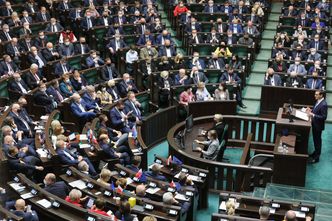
[(318, 116)]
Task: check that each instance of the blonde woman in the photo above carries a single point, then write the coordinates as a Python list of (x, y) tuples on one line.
[(202, 93), (230, 207), (104, 177), (104, 97)]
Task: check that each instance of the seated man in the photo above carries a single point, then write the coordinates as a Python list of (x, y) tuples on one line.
[(43, 99), (126, 85), (94, 60), (297, 68), (135, 164), (264, 212), (80, 109), (155, 173), (119, 119), (62, 67), (272, 78), (22, 211), (314, 82), (18, 84), (22, 163), (59, 188), (294, 81), (169, 199), (314, 55), (141, 191), (196, 61), (99, 206), (72, 159), (105, 144), (133, 106), (90, 98), (196, 76), (21, 123), (24, 149)]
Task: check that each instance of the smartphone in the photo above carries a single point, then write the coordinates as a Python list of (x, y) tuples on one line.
[(148, 207), (173, 212)]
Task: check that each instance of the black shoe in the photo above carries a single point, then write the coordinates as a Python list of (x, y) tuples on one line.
[(243, 106), (312, 155), (313, 160)]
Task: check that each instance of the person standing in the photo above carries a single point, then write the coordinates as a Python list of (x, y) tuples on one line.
[(318, 116)]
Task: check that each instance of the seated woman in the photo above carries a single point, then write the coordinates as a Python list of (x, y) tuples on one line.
[(202, 93), (99, 206), (59, 133), (104, 177), (74, 197), (78, 81), (221, 93), (213, 144), (186, 96), (230, 207), (66, 88), (235, 62), (121, 185), (223, 51), (104, 97)]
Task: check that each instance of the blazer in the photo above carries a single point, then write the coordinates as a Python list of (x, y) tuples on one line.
[(59, 189), (62, 7), (43, 99), (160, 37), (213, 9), (315, 57), (200, 65), (112, 44), (26, 19), (189, 27), (90, 62), (276, 78), (142, 40), (235, 77), (117, 20), (67, 51), (225, 9), (254, 30), (177, 80), (58, 70), (232, 40), (312, 44), (238, 28), (32, 59), (78, 112), (89, 101), (52, 91), (39, 17), (155, 176), (65, 159), (195, 40), (40, 43), (300, 69), (73, 14), (64, 89), (106, 71), (212, 64), (144, 53), (320, 112), (24, 45), (4, 67), (129, 106), (139, 28), (290, 81), (112, 31), (114, 92), (116, 119), (14, 86), (213, 149), (3, 36), (84, 22), (301, 54), (78, 85), (318, 84), (202, 78), (102, 22), (163, 51), (123, 87), (48, 54), (10, 50), (49, 27), (27, 216), (78, 48), (19, 122), (31, 80), (108, 150)]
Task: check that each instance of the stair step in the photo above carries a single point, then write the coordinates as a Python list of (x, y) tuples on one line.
[(269, 35), (252, 92), (255, 80), (267, 45), (274, 17), (260, 66), (276, 7), (253, 107), (271, 25), (264, 54)]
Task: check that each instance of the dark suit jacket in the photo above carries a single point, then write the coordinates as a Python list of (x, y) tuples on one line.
[(318, 84), (78, 48), (139, 29), (142, 40), (43, 99), (114, 92), (112, 44), (112, 31), (289, 81), (78, 85), (117, 19), (14, 86), (123, 87), (90, 62), (160, 37), (221, 63), (219, 128), (19, 122), (48, 54), (105, 72), (65, 159), (214, 9), (154, 176), (116, 119), (10, 50), (27, 216), (102, 22), (58, 71), (78, 112), (59, 189), (66, 51), (108, 150), (33, 60), (49, 27), (202, 78), (189, 27), (39, 17), (320, 112), (3, 36), (276, 78), (4, 67), (31, 80), (192, 40), (225, 77), (163, 52), (25, 46), (40, 43), (89, 101), (320, 45), (84, 22), (52, 91), (61, 6), (129, 106)]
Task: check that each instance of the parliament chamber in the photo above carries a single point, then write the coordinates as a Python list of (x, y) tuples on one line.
[(170, 110)]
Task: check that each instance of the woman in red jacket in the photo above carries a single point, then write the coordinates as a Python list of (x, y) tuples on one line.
[(180, 8)]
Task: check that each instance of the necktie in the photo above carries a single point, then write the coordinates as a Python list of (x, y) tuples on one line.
[(66, 6), (296, 68), (143, 29), (40, 61), (89, 23), (59, 95), (82, 49), (81, 107), (22, 88), (32, 9), (115, 94), (316, 46), (138, 113), (64, 68), (211, 9), (36, 77), (77, 14), (110, 73), (250, 31), (313, 84), (24, 122), (8, 36), (10, 69), (15, 49), (44, 17), (68, 155), (53, 28), (117, 45)]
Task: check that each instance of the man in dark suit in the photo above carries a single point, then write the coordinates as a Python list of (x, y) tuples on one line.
[(64, 6), (314, 82), (23, 112), (126, 85), (33, 77), (62, 67), (167, 49), (196, 61), (75, 14), (109, 71), (89, 98), (53, 26), (54, 90), (93, 60), (82, 47), (21, 211), (193, 25), (6, 34), (41, 98), (59, 188), (294, 81), (41, 41), (316, 43), (211, 8), (218, 126), (14, 49), (230, 39), (318, 116), (50, 53), (135, 164), (7, 10), (66, 49), (72, 159), (120, 19), (18, 84), (105, 144), (80, 109), (142, 26), (26, 43), (213, 37), (43, 15), (36, 57), (195, 38), (216, 63), (7, 66), (271, 78), (26, 18), (145, 38), (133, 106), (115, 29), (88, 21), (161, 38), (290, 12), (105, 19), (20, 122), (197, 76), (119, 118), (113, 90), (185, 18), (302, 20), (116, 44)]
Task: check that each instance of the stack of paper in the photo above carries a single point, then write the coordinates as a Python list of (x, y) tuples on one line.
[(17, 186), (45, 203), (152, 190), (79, 184), (27, 196), (181, 197)]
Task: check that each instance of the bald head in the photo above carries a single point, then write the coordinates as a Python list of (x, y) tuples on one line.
[(290, 216), (140, 190), (49, 179), (20, 204)]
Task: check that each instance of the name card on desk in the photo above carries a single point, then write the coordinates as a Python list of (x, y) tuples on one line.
[(195, 178), (202, 174), (84, 145), (107, 193), (304, 209), (33, 192), (275, 205), (123, 173), (27, 196), (90, 185), (55, 204), (299, 214), (170, 189), (148, 207), (83, 137), (152, 190), (223, 205), (172, 212), (72, 136), (152, 184), (184, 170), (158, 161), (17, 186), (79, 184), (181, 197), (129, 180), (45, 203)]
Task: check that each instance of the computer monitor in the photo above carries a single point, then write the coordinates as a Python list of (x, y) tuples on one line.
[(189, 123)]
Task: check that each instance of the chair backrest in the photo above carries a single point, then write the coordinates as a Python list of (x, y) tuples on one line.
[(224, 135), (220, 151)]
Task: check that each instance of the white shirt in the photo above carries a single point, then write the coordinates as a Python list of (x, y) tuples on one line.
[(131, 57)]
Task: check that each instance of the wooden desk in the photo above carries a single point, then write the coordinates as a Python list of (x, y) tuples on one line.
[(207, 108), (273, 97), (299, 127)]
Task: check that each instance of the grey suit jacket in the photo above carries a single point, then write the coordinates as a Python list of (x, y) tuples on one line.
[(300, 70), (212, 152)]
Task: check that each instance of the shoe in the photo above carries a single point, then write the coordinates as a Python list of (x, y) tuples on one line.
[(313, 160), (312, 154), (243, 106)]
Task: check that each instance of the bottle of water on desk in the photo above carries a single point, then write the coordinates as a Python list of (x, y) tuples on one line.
[(284, 149)]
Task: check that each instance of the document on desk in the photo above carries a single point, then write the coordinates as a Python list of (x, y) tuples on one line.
[(129, 181), (83, 137), (177, 175), (84, 145), (181, 197), (152, 190), (302, 115), (27, 196), (17, 186), (299, 214), (80, 184), (195, 178), (45, 203), (150, 167)]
